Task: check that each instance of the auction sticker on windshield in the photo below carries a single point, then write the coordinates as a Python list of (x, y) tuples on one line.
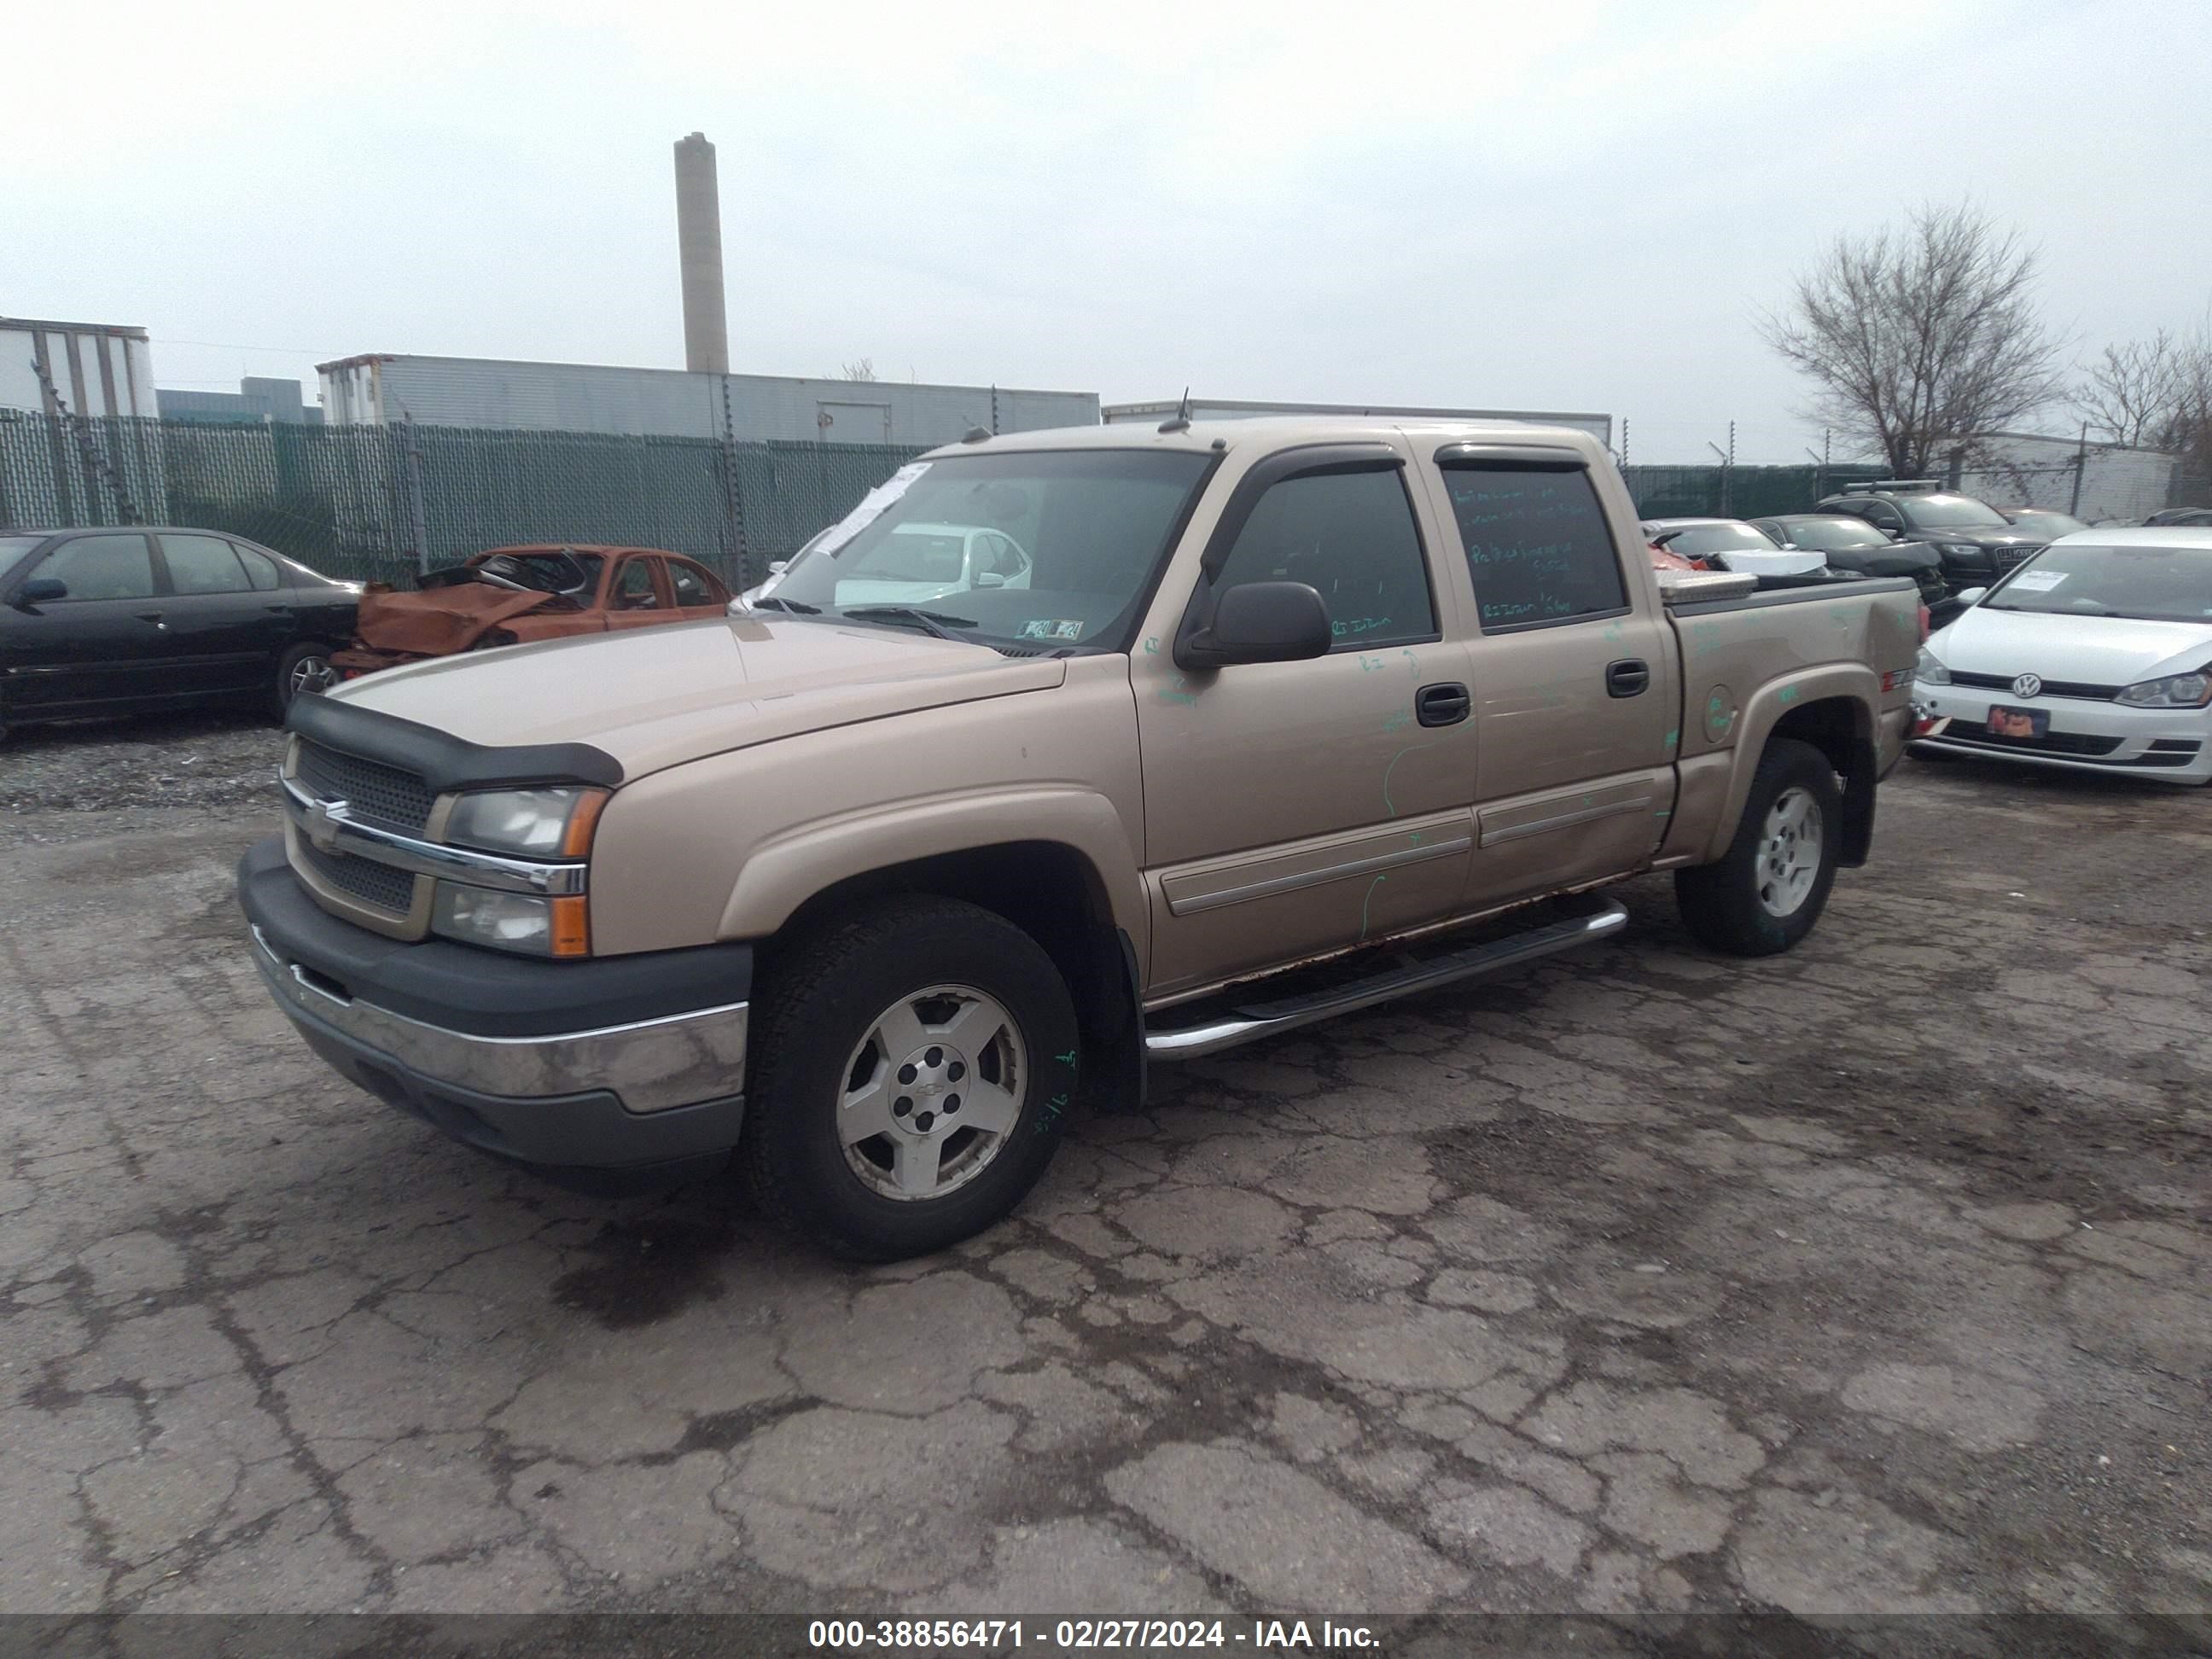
[(1052, 628), (2037, 582)]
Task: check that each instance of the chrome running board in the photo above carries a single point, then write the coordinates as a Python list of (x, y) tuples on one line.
[(1248, 1023)]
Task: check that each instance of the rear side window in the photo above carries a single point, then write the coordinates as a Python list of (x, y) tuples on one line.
[(690, 585), (261, 569), (1350, 537), (634, 587), (1537, 543), (203, 564), (102, 568)]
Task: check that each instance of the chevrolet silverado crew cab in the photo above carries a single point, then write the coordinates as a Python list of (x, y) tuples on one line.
[(1285, 718)]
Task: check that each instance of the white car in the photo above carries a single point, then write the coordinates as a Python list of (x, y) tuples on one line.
[(2095, 654), (918, 562)]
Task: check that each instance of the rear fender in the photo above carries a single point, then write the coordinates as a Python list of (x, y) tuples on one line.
[(1832, 707)]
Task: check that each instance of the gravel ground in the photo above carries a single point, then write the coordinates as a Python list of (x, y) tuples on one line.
[(191, 762), (1872, 1277)]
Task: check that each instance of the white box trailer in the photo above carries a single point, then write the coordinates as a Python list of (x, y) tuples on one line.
[(1600, 427), (75, 368), (379, 389), (81, 445)]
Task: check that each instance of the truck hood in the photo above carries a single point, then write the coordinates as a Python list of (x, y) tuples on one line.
[(2093, 650), (655, 697)]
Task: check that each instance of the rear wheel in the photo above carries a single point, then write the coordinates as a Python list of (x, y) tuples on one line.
[(1769, 888), (914, 1067), (305, 670)]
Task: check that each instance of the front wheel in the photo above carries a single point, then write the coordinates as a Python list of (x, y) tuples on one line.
[(913, 1072), (1770, 887)]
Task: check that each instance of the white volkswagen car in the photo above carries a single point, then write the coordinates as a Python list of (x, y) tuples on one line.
[(2095, 654)]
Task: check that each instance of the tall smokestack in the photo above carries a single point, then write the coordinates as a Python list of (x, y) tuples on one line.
[(699, 243)]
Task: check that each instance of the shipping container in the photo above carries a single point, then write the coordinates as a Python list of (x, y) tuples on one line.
[(1600, 427), (485, 392)]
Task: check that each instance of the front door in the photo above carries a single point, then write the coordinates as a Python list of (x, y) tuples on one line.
[(106, 644), (1301, 807), (1574, 686)]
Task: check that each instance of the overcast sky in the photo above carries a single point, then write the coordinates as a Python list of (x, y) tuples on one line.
[(1565, 206)]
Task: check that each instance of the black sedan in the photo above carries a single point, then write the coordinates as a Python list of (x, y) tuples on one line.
[(1854, 544), (116, 621)]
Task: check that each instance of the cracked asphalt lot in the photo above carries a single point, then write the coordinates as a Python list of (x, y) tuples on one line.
[(1874, 1277)]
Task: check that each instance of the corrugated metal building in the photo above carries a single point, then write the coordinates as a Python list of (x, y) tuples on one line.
[(92, 368), (486, 393), (258, 397), (1600, 427)]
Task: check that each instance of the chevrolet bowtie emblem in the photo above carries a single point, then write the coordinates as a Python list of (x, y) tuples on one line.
[(321, 828)]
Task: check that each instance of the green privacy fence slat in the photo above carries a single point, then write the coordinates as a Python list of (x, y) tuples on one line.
[(360, 502)]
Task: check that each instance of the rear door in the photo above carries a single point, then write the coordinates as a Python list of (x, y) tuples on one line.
[(105, 645), (1575, 690), (637, 595), (695, 590), (226, 633), (1301, 807)]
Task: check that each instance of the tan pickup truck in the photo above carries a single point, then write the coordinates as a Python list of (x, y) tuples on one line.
[(1065, 752)]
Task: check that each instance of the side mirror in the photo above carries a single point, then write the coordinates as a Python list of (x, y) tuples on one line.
[(1972, 595), (1258, 622), (777, 567), (990, 579), (40, 590)]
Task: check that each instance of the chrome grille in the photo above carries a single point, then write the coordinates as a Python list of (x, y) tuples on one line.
[(381, 885), (2080, 689), (380, 795)]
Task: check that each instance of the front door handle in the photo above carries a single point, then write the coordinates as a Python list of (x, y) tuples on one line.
[(154, 617), (1442, 705), (1627, 679)]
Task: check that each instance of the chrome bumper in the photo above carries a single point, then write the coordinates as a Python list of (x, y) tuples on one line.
[(652, 1066)]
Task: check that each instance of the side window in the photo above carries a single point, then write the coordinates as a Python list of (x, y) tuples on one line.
[(689, 585), (261, 569), (1538, 545), (203, 564), (102, 568), (1350, 537), (634, 587)]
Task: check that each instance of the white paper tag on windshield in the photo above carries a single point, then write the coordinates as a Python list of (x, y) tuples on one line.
[(872, 506), (2037, 582)]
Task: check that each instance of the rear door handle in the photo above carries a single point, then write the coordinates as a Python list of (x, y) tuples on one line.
[(1627, 679), (1446, 704)]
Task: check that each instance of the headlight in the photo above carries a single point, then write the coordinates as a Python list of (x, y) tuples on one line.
[(2174, 691), (546, 823), (1928, 672), (511, 921)]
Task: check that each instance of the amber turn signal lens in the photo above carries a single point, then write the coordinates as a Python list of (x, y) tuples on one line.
[(572, 927), (583, 819)]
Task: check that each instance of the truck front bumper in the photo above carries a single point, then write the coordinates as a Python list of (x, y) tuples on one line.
[(606, 1074)]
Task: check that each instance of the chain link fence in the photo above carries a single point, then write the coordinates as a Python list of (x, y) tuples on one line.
[(377, 503)]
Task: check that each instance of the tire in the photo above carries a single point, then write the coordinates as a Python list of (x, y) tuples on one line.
[(303, 670), (1746, 904), (984, 1007)]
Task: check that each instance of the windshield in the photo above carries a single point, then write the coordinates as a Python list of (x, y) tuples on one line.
[(1949, 513), (1699, 539), (1056, 546), (544, 573), (2047, 521), (2150, 584), (1834, 535), (12, 550)]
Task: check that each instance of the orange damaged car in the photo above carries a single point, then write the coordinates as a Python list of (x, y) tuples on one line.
[(510, 595)]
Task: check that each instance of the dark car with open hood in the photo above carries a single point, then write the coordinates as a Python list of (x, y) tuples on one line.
[(123, 619)]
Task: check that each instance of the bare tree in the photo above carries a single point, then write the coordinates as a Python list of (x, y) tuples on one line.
[(1917, 337), (861, 368), (2133, 392)]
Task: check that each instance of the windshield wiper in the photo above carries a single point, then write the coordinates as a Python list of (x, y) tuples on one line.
[(930, 621), (794, 606)]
